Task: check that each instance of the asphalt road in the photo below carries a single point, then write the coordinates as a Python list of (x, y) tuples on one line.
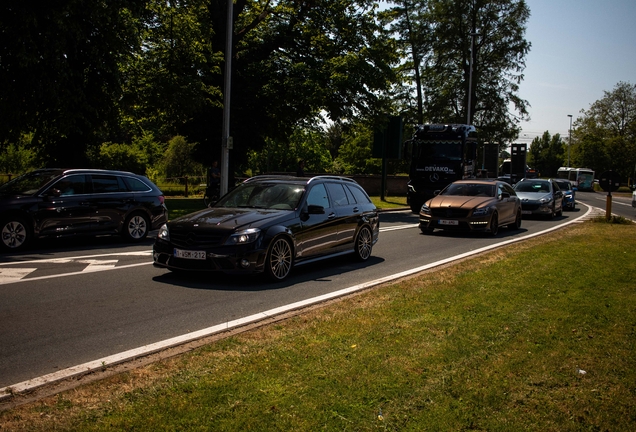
[(66, 303), (621, 203)]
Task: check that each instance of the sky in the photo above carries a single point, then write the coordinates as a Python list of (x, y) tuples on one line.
[(580, 50)]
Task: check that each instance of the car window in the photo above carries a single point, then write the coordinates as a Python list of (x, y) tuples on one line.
[(509, 189), (318, 196), (28, 184), (107, 184), (532, 186), (469, 189), (136, 185), (358, 193), (71, 185), (338, 195)]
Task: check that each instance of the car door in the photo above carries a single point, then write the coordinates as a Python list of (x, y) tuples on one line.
[(64, 207), (506, 203), (557, 195), (347, 213), (110, 202), (318, 234)]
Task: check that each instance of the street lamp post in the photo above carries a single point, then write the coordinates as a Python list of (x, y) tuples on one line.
[(470, 74), (569, 139), (226, 139)]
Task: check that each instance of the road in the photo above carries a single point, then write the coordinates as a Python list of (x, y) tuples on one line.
[(621, 203), (68, 303)]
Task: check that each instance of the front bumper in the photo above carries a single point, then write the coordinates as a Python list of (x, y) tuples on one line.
[(536, 208), (227, 259), (477, 224)]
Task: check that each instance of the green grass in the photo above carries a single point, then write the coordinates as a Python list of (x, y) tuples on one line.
[(181, 206), (493, 343)]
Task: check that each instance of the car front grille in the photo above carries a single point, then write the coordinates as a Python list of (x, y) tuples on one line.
[(195, 240), (450, 212)]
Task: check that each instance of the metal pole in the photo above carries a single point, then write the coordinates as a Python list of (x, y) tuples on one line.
[(225, 155), (569, 139), (470, 74)]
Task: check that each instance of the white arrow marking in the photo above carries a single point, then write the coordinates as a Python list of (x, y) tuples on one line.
[(8, 275), (98, 265)]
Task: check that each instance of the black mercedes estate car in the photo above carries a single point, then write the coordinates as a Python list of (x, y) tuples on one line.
[(64, 202), (271, 223)]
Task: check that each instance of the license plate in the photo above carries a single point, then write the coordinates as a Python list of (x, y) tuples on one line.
[(526, 212), (448, 222), (187, 254)]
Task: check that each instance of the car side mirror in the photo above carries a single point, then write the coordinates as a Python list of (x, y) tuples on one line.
[(315, 209), (53, 193), (505, 195)]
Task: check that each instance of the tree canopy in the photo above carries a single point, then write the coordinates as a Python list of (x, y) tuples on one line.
[(82, 73), (604, 136)]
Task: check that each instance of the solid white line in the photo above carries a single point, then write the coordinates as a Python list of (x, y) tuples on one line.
[(179, 340)]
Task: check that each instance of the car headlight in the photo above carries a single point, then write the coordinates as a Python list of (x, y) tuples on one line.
[(546, 199), (483, 211), (425, 209), (243, 237), (163, 233), (568, 196)]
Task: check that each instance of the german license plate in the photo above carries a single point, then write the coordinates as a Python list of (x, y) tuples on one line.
[(187, 254), (448, 222), (526, 212)]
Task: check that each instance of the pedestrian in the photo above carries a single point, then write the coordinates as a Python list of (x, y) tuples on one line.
[(300, 172)]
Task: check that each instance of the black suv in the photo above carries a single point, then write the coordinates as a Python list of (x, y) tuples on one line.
[(270, 223), (59, 202)]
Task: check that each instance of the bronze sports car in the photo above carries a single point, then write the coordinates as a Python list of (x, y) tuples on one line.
[(472, 205)]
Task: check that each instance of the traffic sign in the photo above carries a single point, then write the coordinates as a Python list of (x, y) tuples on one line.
[(609, 181)]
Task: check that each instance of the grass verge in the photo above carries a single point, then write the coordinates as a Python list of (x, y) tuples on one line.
[(538, 336)]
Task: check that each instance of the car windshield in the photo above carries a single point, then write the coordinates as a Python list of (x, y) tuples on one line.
[(470, 189), (281, 196), (28, 184), (564, 185), (533, 186)]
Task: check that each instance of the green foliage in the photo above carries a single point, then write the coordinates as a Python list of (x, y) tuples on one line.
[(605, 135), (178, 160), (62, 60), (138, 157), (18, 158), (546, 154), (436, 35), (283, 155)]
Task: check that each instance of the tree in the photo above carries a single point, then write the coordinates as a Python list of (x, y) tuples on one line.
[(546, 154), (606, 133), (178, 160), (498, 60), (60, 72)]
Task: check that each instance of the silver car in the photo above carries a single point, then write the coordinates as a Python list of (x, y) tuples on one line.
[(540, 197)]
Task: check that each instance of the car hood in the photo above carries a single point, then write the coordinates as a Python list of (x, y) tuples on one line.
[(455, 201), (229, 218), (533, 196)]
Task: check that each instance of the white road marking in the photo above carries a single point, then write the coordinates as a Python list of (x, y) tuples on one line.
[(98, 265), (74, 273), (14, 274), (31, 384), (399, 227), (69, 259)]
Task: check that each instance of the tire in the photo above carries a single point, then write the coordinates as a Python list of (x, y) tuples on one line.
[(494, 224), (560, 212), (136, 227), (279, 260), (15, 234), (516, 225), (363, 244)]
